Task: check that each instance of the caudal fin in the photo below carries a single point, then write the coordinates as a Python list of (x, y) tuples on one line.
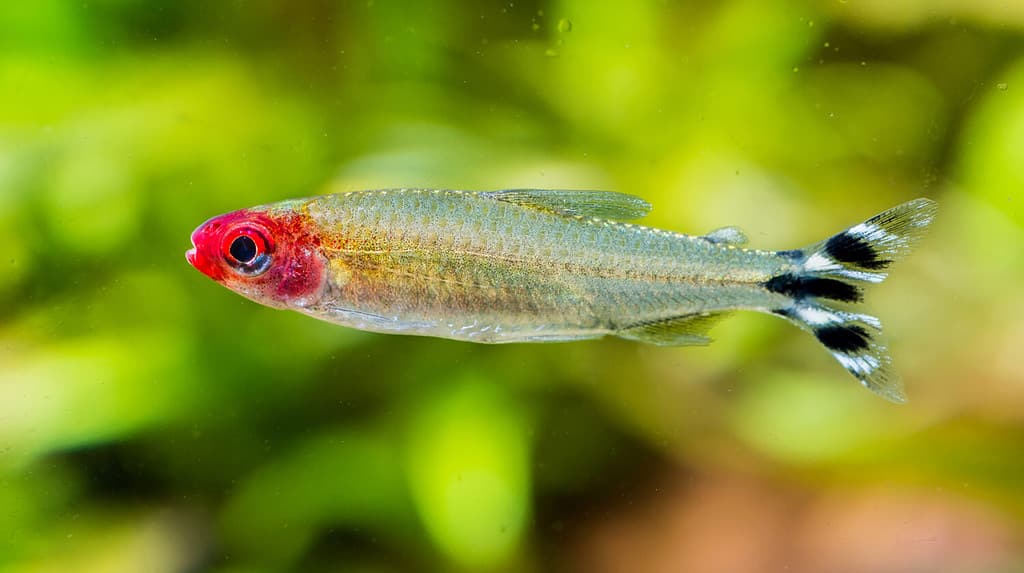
[(833, 271)]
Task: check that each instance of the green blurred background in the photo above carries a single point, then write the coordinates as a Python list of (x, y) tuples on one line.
[(151, 420)]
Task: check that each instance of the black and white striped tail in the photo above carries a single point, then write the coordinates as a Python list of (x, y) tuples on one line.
[(833, 271)]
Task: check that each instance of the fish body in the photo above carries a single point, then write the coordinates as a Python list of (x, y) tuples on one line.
[(546, 265)]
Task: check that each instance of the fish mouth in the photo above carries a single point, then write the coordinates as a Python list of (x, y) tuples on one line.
[(198, 255), (192, 255)]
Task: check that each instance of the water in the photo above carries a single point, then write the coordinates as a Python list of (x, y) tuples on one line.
[(151, 420)]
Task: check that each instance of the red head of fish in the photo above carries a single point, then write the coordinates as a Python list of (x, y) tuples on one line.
[(272, 258)]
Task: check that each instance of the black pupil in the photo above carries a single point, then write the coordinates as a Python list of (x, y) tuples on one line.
[(243, 249)]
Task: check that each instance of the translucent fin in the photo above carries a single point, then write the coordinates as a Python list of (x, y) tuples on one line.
[(572, 203), (829, 272), (856, 341), (686, 330), (865, 250), (727, 236)]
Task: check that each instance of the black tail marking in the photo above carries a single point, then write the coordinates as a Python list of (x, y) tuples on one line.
[(851, 249), (801, 287), (845, 338), (831, 271)]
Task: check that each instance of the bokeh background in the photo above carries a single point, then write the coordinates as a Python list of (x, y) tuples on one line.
[(151, 420)]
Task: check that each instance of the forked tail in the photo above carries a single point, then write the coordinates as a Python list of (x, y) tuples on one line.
[(832, 272)]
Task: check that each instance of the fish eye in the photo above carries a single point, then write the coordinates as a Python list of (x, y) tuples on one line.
[(247, 251), (243, 249)]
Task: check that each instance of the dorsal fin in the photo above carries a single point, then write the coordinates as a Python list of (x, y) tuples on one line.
[(727, 236), (686, 330), (576, 203)]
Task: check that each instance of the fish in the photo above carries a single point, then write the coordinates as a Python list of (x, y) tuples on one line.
[(535, 265)]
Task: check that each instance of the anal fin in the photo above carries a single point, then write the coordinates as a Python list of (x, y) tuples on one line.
[(685, 330)]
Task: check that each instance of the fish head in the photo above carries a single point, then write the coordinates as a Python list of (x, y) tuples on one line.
[(271, 257)]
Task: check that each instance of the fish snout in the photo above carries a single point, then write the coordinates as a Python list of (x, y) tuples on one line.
[(202, 255)]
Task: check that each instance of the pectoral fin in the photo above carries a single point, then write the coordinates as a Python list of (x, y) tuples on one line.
[(686, 330), (573, 203)]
